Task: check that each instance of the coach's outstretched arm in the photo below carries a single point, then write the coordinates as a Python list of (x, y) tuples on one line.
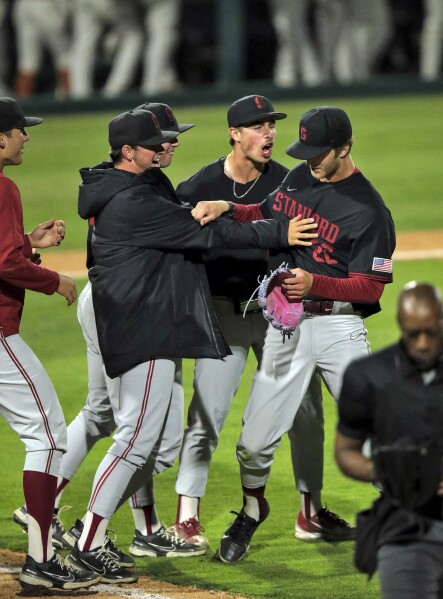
[(205, 212)]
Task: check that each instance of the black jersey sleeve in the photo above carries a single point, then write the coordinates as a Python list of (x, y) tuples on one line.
[(373, 243)]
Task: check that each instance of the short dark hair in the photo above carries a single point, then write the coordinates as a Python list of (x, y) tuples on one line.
[(116, 155)]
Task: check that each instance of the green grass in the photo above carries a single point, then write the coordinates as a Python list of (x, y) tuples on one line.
[(394, 150), (277, 565), (397, 153)]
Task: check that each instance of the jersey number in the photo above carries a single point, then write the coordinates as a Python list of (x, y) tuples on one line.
[(323, 253)]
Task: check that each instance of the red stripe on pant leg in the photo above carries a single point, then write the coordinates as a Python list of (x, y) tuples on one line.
[(111, 467), (143, 408), (101, 482), (34, 392)]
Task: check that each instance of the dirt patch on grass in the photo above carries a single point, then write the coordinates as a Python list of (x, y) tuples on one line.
[(144, 588), (412, 245)]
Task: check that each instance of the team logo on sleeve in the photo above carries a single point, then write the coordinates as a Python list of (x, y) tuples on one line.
[(382, 264)]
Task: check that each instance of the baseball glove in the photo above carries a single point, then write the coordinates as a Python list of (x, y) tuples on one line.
[(283, 314)]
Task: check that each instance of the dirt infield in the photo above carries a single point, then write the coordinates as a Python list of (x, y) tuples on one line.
[(414, 245), (145, 588)]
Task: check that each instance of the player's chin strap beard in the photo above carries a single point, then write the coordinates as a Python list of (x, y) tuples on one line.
[(229, 173)]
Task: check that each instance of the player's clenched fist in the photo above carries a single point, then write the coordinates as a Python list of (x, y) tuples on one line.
[(301, 230), (48, 234), (204, 212), (298, 286), (68, 289)]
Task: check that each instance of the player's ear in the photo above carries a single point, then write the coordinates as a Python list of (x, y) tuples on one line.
[(234, 133), (343, 151), (127, 152)]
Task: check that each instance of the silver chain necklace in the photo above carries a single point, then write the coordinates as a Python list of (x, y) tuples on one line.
[(227, 168)]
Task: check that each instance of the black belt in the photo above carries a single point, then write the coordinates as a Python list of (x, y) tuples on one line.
[(318, 306)]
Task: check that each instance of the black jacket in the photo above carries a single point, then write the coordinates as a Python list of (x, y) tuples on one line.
[(150, 292)]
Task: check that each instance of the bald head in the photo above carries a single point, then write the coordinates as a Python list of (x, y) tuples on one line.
[(420, 318)]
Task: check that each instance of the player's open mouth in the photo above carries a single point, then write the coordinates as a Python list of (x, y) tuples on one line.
[(155, 162), (267, 150)]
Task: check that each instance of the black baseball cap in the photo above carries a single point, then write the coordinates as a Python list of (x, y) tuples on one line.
[(12, 117), (252, 109), (137, 128), (165, 116), (321, 129)]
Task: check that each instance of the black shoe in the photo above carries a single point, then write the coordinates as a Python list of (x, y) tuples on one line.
[(163, 544), (55, 573), (235, 542), (72, 535), (324, 525), (99, 561), (20, 516)]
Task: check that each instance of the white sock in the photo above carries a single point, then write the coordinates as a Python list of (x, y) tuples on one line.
[(141, 520), (99, 536), (35, 548), (310, 503), (252, 508), (188, 508)]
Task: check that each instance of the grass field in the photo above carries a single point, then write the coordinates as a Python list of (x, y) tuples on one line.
[(394, 146)]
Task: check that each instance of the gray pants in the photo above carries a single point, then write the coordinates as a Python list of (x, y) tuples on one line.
[(413, 570)]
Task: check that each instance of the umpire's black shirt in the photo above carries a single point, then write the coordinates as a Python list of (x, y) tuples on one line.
[(387, 397)]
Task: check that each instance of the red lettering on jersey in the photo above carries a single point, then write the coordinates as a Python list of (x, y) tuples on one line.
[(287, 202), (327, 252), (291, 212), (331, 235), (305, 212), (323, 253), (323, 227), (277, 206)]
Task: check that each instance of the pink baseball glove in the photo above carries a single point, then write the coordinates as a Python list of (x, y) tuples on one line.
[(283, 314)]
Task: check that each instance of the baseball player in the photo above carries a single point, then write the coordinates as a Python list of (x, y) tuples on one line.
[(340, 279), (90, 21), (161, 21), (41, 26), (28, 400), (247, 172), (96, 420), (141, 242)]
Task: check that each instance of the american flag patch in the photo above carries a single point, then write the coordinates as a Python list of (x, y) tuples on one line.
[(382, 264)]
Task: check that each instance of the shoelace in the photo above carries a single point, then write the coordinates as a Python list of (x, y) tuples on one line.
[(325, 513), (104, 556), (169, 536), (109, 544), (56, 517), (240, 528), (57, 559), (190, 526)]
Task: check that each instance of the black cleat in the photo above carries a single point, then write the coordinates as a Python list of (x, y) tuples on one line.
[(54, 574), (100, 561), (234, 543), (72, 535), (163, 544), (324, 525), (20, 517)]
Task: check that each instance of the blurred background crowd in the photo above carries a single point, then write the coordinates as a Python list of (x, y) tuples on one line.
[(78, 48)]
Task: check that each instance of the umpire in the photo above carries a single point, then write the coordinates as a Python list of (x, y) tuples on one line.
[(395, 397)]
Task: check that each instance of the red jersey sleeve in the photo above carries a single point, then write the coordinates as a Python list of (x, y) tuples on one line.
[(246, 213), (15, 248), (359, 289)]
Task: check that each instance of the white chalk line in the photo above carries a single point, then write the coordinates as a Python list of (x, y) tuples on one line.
[(127, 592)]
